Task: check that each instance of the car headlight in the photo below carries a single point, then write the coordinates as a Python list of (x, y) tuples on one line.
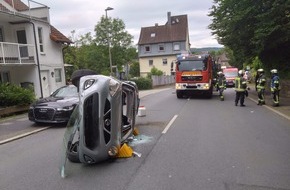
[(88, 83), (113, 87), (66, 108)]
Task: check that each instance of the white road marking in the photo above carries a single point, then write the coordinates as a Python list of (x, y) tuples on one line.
[(8, 123), (23, 119), (169, 124)]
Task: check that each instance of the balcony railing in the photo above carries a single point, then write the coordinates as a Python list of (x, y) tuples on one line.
[(13, 53)]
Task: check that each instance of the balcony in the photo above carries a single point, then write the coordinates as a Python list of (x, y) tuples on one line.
[(15, 11), (15, 54)]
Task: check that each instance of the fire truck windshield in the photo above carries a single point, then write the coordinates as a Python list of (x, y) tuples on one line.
[(191, 65), (230, 73)]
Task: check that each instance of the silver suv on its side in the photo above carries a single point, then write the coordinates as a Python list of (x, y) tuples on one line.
[(103, 119)]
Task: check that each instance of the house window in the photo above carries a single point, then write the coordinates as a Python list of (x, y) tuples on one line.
[(4, 77), (161, 47), (164, 61), (176, 47), (150, 62), (40, 39), (153, 35), (147, 48), (1, 35), (57, 75)]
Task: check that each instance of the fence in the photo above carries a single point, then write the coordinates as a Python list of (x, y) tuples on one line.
[(162, 80)]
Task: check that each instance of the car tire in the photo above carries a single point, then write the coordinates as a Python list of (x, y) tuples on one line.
[(75, 77), (72, 152)]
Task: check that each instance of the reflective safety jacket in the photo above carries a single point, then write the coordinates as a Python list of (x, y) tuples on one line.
[(222, 81), (275, 85), (261, 82), (240, 84)]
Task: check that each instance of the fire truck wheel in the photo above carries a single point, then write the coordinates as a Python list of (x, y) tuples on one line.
[(179, 94)]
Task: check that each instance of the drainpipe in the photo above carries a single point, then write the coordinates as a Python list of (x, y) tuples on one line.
[(37, 58), (62, 51)]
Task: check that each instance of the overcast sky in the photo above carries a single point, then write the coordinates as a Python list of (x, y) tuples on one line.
[(83, 15)]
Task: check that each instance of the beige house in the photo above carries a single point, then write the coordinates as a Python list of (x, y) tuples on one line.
[(158, 45)]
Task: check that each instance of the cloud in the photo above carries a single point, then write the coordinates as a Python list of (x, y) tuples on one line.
[(83, 15)]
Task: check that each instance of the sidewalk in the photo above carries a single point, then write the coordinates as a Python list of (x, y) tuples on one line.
[(282, 110), (143, 93)]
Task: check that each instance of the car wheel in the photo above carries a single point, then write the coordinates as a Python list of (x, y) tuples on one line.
[(72, 152), (75, 77)]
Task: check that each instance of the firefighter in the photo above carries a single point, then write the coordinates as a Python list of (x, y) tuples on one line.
[(261, 82), (221, 84), (240, 88), (275, 87), (256, 79)]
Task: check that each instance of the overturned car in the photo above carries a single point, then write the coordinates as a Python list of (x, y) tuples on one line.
[(103, 119)]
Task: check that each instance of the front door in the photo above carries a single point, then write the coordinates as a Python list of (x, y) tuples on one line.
[(45, 83), (21, 38)]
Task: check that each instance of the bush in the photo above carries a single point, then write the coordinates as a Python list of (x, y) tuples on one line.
[(143, 83), (154, 71), (12, 95)]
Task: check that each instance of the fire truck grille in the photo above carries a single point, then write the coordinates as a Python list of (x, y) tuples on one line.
[(191, 78)]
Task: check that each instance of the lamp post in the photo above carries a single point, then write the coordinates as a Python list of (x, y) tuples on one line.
[(110, 56)]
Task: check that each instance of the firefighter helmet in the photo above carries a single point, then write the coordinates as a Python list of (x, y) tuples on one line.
[(274, 71), (261, 70)]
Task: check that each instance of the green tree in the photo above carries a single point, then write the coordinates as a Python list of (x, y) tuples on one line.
[(111, 32), (92, 52), (112, 29), (254, 28), (135, 69)]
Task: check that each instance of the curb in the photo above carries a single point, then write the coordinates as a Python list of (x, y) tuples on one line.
[(22, 135), (269, 108)]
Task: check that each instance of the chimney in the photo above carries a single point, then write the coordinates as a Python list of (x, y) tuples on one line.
[(169, 18), (156, 24)]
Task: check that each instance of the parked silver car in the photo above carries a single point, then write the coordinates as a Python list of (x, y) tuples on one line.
[(103, 120)]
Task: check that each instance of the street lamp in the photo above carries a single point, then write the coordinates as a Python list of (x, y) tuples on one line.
[(110, 56)]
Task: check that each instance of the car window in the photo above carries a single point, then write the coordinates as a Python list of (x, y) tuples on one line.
[(68, 91)]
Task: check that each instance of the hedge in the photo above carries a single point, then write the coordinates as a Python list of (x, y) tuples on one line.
[(143, 83), (12, 95)]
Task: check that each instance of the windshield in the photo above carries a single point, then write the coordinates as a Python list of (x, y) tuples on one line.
[(71, 136), (191, 65), (67, 91), (230, 73)]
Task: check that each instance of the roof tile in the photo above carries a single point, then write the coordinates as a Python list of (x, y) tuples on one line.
[(170, 32), (57, 36), (18, 5)]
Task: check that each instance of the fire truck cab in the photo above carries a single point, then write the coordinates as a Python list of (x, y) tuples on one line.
[(194, 75)]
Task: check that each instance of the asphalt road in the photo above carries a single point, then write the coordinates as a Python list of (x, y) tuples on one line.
[(184, 144)]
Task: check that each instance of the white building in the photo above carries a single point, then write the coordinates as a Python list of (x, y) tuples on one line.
[(30, 48)]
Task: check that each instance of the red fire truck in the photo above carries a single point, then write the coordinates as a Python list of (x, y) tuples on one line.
[(194, 75)]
